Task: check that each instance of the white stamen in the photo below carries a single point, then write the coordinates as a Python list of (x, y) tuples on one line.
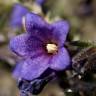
[(51, 48)]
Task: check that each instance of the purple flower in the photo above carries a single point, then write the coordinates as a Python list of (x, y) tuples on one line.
[(40, 2), (17, 13), (41, 47)]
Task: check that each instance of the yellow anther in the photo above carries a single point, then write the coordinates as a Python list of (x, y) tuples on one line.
[(52, 48)]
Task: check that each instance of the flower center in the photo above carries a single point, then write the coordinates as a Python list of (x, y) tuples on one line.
[(52, 48)]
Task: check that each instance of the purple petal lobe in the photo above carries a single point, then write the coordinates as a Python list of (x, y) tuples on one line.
[(32, 68), (36, 26), (60, 31), (17, 13), (26, 45), (17, 71), (61, 60)]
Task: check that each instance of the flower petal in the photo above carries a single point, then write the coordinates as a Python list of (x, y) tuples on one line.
[(26, 45), (60, 31), (32, 68), (17, 71), (36, 26), (61, 60), (17, 13)]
